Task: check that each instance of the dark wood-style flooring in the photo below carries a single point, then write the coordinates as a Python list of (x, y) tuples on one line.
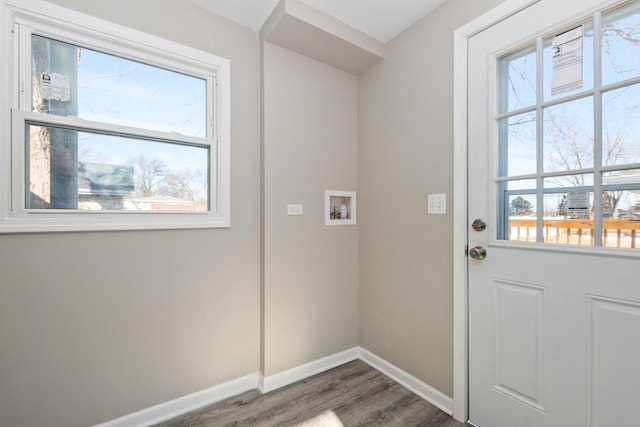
[(350, 395)]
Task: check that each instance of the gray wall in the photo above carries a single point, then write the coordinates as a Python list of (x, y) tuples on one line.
[(405, 125), (311, 270), (98, 325), (94, 326)]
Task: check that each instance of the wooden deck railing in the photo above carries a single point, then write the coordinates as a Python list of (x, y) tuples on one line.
[(619, 233)]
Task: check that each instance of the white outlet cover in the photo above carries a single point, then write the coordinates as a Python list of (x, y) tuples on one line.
[(437, 204), (294, 209)]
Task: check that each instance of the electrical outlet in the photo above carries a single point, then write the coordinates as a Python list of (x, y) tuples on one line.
[(294, 209), (437, 204)]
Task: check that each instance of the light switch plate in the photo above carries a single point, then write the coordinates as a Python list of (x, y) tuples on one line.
[(294, 209), (437, 204)]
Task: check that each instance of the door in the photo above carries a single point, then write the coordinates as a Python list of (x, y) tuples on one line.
[(554, 173)]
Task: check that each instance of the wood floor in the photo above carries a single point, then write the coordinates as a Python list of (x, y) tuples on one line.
[(350, 395)]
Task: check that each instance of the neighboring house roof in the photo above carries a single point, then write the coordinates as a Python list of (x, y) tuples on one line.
[(105, 179), (168, 203)]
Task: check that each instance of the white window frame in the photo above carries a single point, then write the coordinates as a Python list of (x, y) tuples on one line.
[(24, 17)]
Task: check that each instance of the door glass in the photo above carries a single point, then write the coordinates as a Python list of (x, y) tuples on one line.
[(518, 75), (620, 47), (582, 143), (568, 136), (621, 208), (518, 207), (568, 210), (517, 139), (620, 126)]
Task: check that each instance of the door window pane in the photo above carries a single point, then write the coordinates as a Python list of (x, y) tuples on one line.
[(621, 126), (569, 197), (70, 80), (568, 207), (568, 136), (519, 210), (78, 170), (621, 209), (518, 78), (623, 188), (568, 230), (517, 142), (620, 44)]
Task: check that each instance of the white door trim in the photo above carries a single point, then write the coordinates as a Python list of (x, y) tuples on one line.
[(460, 330)]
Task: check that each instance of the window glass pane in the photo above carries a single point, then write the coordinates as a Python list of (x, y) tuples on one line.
[(621, 194), (568, 210), (621, 126), (621, 209), (587, 64), (568, 136), (70, 169), (517, 144), (620, 44), (517, 213), (517, 80), (70, 80)]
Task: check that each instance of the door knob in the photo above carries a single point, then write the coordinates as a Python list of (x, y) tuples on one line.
[(479, 225), (478, 253)]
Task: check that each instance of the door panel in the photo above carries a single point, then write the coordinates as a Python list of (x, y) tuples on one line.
[(554, 313), (519, 337), (613, 355)]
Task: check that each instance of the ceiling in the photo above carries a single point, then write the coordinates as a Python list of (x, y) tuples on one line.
[(380, 19)]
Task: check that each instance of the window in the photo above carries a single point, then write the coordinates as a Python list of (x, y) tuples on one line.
[(568, 126), (111, 128)]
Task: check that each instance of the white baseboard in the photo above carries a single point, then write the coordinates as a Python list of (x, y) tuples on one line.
[(182, 405), (276, 381), (425, 391)]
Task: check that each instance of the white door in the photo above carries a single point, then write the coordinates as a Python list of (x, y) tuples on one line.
[(554, 171)]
